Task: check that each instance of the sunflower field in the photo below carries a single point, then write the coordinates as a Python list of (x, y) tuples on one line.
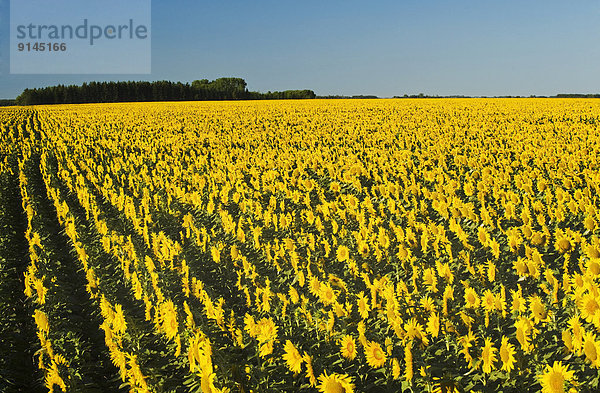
[(431, 245)]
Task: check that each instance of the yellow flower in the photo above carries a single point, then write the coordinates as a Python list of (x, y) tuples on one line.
[(520, 266), (523, 333), (41, 291), (430, 279), (119, 359), (471, 298), (518, 303), (168, 315), (119, 324), (589, 223), (315, 286), (265, 349), (567, 340), (433, 325), (591, 349), (467, 343), (375, 355), (266, 330), (538, 311), (348, 347), (309, 370), (342, 253), (53, 378), (292, 357), (562, 245), (396, 368), (553, 379), (415, 330), (589, 307), (488, 356), (489, 301), (363, 305), (335, 383), (326, 294), (41, 321), (507, 355)]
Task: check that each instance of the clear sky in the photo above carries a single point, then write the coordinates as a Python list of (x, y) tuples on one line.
[(386, 48)]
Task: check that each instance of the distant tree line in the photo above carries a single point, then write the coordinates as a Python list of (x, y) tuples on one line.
[(347, 97), (94, 92), (7, 102), (421, 95), (578, 96)]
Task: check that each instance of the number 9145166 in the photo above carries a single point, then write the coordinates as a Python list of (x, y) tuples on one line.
[(42, 46)]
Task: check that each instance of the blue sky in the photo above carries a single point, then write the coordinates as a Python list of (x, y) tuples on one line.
[(357, 47)]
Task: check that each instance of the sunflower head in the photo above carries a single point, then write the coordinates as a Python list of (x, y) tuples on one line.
[(335, 383), (348, 347), (375, 355), (554, 378), (507, 355)]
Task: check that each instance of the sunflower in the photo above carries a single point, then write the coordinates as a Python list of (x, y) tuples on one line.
[(415, 330), (488, 356), (327, 294), (593, 266), (335, 383), (562, 244), (430, 279), (471, 298), (265, 349), (482, 236), (588, 306), (591, 349), (342, 254), (41, 321), (433, 325), (578, 332), (520, 265), (567, 340), (590, 224), (518, 302), (348, 347), (524, 327), (315, 286), (489, 301), (119, 325), (592, 251), (396, 368), (292, 357), (537, 309), (363, 305), (266, 330), (41, 291), (507, 355), (309, 370), (553, 379), (375, 355), (168, 315), (119, 360), (53, 378)]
